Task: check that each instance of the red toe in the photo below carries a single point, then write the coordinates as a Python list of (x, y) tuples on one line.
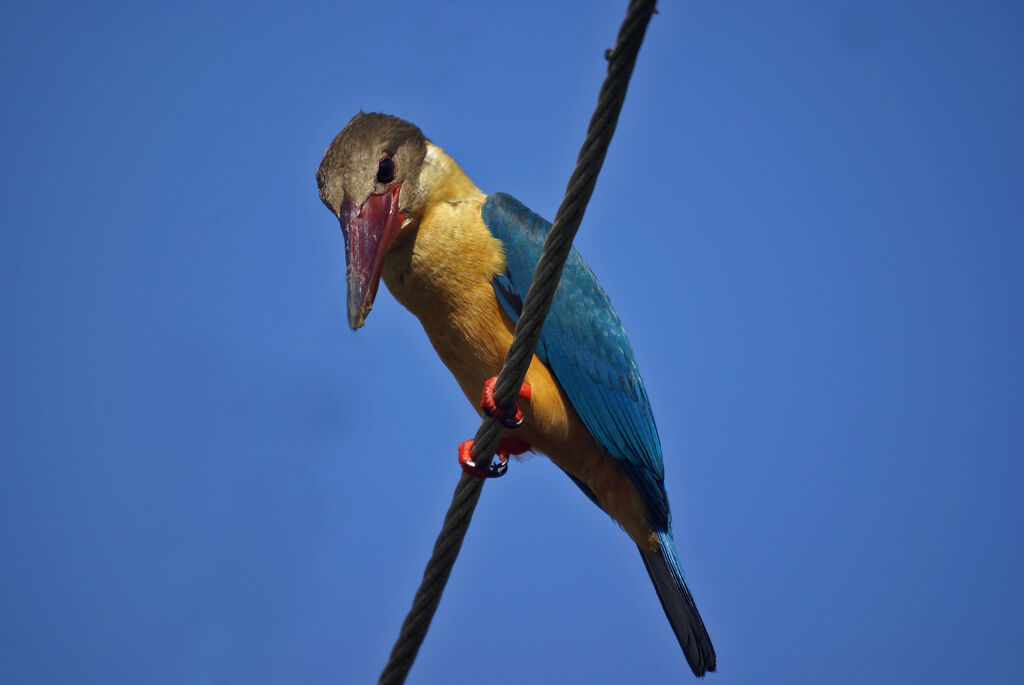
[(509, 419)]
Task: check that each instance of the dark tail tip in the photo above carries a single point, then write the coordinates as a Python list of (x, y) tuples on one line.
[(681, 610)]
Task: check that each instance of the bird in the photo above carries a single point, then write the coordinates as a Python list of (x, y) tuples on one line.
[(461, 261)]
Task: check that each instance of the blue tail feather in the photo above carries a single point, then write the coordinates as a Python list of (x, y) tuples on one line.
[(667, 576)]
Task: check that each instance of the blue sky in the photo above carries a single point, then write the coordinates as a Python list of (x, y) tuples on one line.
[(809, 222)]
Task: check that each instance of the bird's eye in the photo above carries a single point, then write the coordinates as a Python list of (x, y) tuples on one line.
[(386, 171)]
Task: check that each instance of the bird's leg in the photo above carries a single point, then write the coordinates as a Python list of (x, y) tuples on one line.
[(509, 419), (506, 447)]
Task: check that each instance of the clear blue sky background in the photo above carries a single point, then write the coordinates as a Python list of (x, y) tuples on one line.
[(809, 221)]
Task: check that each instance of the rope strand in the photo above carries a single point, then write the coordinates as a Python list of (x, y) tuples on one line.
[(535, 308)]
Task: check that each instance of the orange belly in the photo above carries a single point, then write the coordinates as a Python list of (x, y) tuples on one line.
[(475, 351)]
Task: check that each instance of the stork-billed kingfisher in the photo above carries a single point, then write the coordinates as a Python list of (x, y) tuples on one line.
[(462, 261)]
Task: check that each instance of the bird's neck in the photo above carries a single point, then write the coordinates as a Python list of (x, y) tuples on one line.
[(448, 257), (444, 178)]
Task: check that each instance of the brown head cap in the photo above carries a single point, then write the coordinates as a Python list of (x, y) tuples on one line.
[(351, 165)]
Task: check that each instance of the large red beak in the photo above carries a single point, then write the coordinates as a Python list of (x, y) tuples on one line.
[(369, 231)]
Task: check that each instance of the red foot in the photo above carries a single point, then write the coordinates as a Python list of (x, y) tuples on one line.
[(507, 419), (506, 447)]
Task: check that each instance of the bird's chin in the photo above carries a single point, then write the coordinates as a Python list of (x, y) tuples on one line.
[(369, 230)]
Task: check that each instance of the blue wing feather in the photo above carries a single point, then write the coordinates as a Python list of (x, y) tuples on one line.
[(585, 346)]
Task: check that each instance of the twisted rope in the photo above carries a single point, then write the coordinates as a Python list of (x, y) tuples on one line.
[(535, 308)]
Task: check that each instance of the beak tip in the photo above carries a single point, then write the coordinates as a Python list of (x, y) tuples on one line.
[(357, 316)]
